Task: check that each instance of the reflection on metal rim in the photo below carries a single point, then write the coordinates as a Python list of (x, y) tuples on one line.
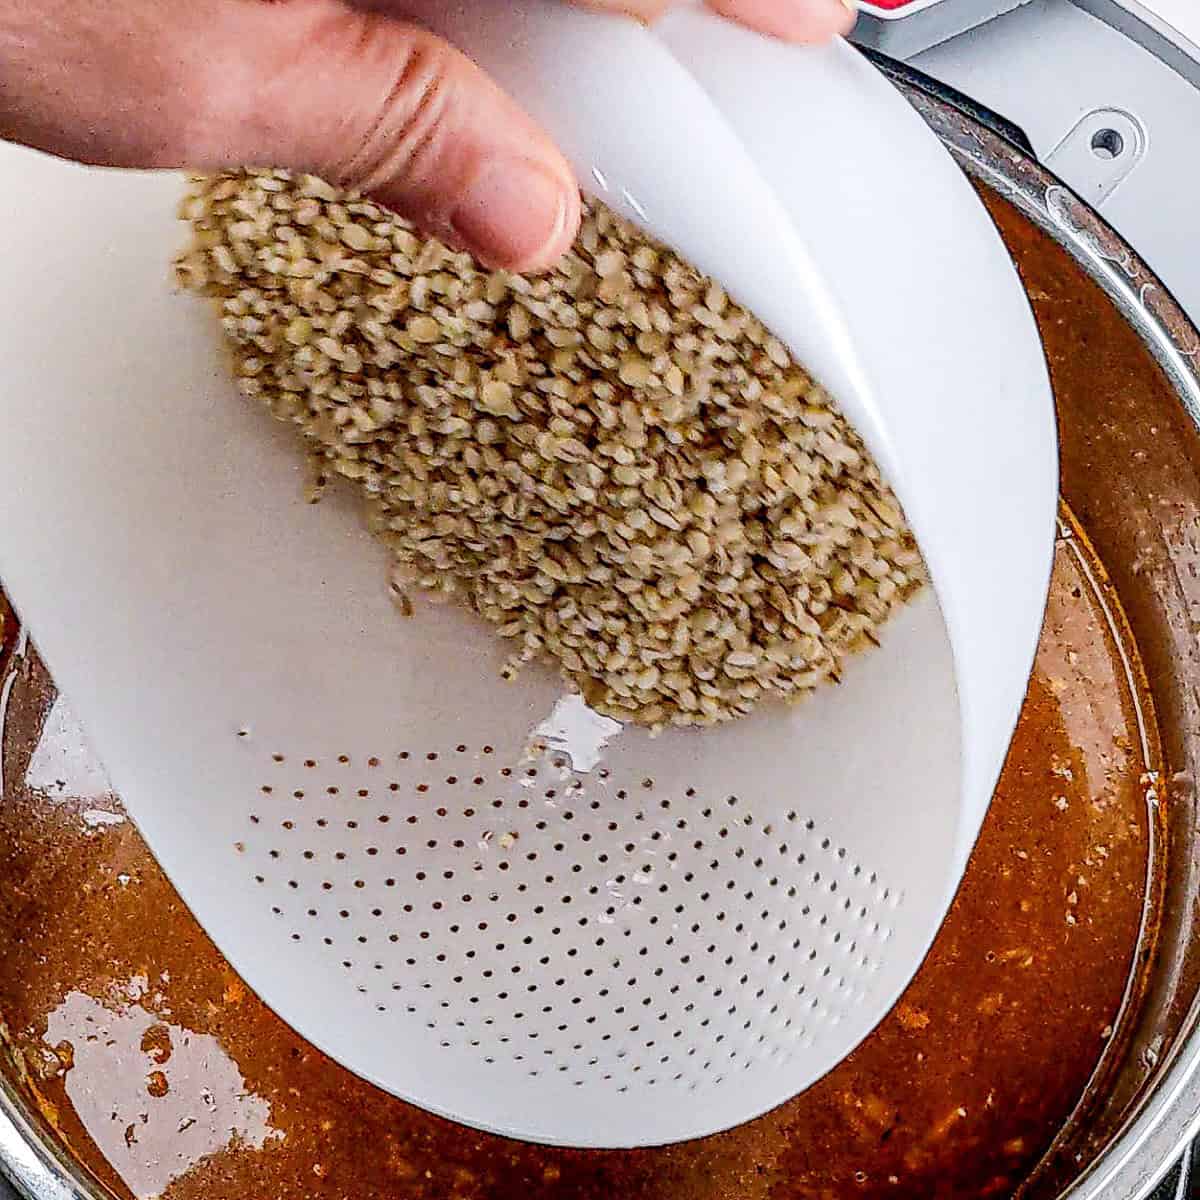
[(30, 1167)]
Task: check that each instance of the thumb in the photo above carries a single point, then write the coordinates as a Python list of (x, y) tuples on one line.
[(374, 103)]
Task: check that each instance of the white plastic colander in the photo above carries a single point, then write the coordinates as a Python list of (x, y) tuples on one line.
[(480, 895)]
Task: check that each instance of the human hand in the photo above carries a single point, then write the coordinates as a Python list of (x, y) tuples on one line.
[(344, 91)]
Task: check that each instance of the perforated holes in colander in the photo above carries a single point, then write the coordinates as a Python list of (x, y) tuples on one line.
[(587, 926)]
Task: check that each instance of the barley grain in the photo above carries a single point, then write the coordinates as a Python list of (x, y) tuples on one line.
[(614, 464)]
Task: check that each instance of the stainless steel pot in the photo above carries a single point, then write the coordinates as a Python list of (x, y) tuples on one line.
[(1144, 1107), (1131, 1135)]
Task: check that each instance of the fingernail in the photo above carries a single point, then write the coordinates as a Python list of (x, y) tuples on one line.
[(513, 214), (850, 5)]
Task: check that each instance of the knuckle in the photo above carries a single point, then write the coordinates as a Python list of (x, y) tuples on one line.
[(411, 132)]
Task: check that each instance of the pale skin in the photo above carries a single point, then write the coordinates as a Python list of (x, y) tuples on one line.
[(345, 90)]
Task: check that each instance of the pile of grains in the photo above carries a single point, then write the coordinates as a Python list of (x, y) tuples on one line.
[(613, 464)]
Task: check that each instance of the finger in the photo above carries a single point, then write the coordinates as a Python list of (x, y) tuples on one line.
[(384, 106), (642, 10), (792, 20)]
